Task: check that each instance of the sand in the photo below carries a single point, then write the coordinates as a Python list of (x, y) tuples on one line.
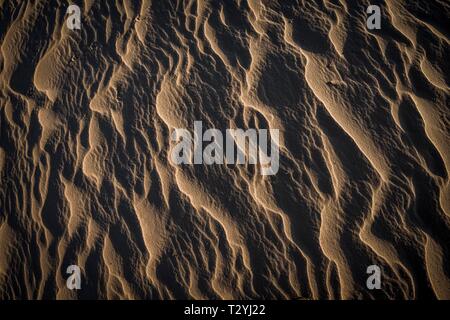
[(87, 179)]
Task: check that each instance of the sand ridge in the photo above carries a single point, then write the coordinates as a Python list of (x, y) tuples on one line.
[(86, 177)]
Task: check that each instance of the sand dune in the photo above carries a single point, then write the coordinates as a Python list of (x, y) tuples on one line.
[(86, 118)]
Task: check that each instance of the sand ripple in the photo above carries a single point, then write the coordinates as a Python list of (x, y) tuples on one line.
[(86, 177)]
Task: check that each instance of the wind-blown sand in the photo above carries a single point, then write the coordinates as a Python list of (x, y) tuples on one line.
[(86, 177)]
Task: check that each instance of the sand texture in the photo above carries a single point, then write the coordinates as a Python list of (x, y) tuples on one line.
[(86, 118)]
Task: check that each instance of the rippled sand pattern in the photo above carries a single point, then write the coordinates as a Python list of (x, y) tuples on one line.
[(86, 175)]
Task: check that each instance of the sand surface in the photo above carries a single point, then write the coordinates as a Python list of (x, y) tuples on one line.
[(86, 177)]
